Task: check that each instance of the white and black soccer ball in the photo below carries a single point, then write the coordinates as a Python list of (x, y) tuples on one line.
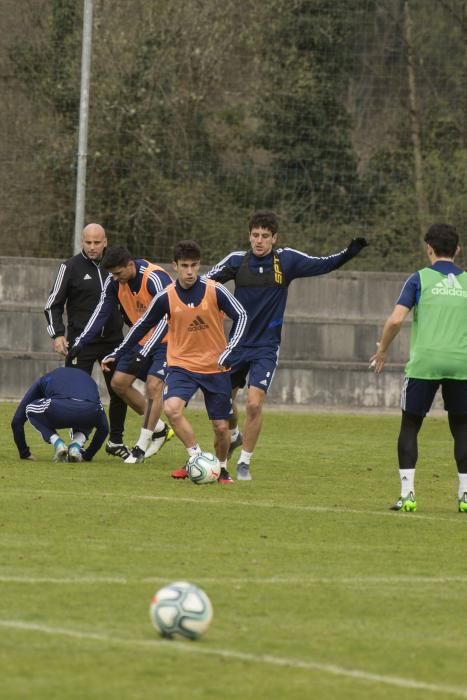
[(203, 468), (181, 609)]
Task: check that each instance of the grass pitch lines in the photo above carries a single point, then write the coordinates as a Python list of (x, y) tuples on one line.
[(263, 659), (240, 581), (67, 581), (223, 502)]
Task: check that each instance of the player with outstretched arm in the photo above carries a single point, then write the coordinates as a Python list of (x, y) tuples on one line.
[(262, 276)]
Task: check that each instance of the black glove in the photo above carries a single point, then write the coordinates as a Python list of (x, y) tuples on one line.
[(356, 245), (135, 365), (71, 355)]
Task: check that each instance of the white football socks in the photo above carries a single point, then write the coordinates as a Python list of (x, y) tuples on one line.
[(462, 485), (407, 477), (245, 457), (79, 438), (160, 426), (144, 439), (192, 451)]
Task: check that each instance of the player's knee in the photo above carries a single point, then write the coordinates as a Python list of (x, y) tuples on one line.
[(172, 411), (115, 386), (154, 387), (254, 407), (221, 428), (119, 385)]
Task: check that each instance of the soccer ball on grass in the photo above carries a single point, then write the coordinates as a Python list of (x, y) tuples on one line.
[(181, 609), (203, 468)]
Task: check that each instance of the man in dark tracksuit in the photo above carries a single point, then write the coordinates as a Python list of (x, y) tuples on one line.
[(78, 287)]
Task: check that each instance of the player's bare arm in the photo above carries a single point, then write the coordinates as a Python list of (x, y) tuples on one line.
[(391, 329)]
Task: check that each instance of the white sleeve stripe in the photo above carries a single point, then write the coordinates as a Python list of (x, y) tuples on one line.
[(315, 257), (52, 297), (223, 290), (95, 313), (157, 333), (241, 322), (241, 325), (127, 338), (56, 287), (154, 277), (220, 265), (403, 287)]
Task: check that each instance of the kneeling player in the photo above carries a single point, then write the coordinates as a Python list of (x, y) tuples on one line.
[(64, 398)]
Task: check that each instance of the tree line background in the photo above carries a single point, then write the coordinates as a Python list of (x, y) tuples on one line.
[(346, 118)]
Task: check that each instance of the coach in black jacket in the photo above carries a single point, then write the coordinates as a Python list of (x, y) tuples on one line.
[(78, 286)]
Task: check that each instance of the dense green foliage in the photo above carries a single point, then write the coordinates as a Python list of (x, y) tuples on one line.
[(318, 590), (202, 112)]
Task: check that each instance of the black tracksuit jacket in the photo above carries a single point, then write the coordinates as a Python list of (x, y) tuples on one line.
[(77, 288)]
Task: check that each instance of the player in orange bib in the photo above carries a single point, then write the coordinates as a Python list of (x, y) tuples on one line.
[(131, 286), (197, 351)]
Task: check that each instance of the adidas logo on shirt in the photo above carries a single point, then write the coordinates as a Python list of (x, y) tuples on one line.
[(197, 325), (87, 277), (450, 286)]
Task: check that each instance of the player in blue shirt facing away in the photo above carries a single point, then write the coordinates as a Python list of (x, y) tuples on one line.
[(262, 276), (437, 295), (67, 397)]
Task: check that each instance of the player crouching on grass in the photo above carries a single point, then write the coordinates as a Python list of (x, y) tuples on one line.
[(438, 356), (64, 398), (197, 352)]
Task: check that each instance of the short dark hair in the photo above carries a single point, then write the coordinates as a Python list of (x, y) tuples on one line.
[(187, 250), (116, 256), (264, 219), (443, 238)]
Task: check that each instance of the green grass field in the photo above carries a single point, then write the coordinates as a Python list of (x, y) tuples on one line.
[(318, 590)]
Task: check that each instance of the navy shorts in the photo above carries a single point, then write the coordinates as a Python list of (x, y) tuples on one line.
[(258, 364), (417, 395), (216, 389), (48, 415), (154, 364), (158, 366)]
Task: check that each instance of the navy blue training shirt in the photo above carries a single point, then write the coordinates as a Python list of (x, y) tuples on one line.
[(61, 383), (265, 306)]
